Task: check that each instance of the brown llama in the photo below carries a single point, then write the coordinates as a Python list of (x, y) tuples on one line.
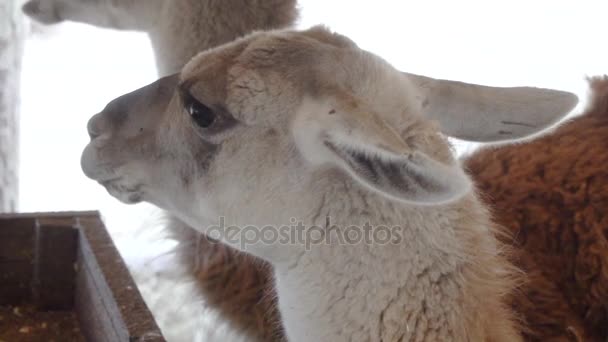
[(552, 194)]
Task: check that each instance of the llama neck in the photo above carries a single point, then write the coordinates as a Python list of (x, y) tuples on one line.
[(184, 31), (415, 287)]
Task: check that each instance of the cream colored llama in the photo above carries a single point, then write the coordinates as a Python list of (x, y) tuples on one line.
[(305, 132), (178, 29)]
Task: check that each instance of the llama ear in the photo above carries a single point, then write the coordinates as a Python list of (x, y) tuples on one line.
[(371, 152), (487, 114), (410, 177)]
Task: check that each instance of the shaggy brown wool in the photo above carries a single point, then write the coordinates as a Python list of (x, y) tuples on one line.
[(237, 285), (552, 194)]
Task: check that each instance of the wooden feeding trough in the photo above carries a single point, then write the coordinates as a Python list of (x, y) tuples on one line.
[(62, 279)]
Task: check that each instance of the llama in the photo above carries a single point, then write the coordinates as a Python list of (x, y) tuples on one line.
[(233, 284), (178, 29), (552, 194), (285, 127)]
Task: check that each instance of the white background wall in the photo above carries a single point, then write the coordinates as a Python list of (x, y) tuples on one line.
[(71, 71)]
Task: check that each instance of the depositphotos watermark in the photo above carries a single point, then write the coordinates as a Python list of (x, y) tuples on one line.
[(298, 233)]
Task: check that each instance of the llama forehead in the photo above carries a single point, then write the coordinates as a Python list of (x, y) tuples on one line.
[(275, 71), (267, 73)]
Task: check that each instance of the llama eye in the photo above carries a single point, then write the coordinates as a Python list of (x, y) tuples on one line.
[(211, 122), (202, 115)]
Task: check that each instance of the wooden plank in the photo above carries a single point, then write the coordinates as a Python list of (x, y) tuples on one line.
[(91, 310), (36, 261), (17, 239), (16, 260), (15, 282), (55, 262), (125, 310), (69, 215)]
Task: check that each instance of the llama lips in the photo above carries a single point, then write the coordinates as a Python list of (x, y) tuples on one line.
[(92, 166), (129, 194), (109, 181)]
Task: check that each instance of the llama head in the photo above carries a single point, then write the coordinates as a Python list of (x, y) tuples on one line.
[(257, 130)]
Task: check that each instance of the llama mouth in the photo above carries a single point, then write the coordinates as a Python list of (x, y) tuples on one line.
[(129, 194), (109, 181)]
